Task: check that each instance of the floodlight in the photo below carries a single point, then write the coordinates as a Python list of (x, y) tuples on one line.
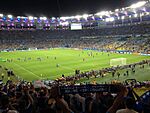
[(147, 13), (78, 16), (123, 17), (107, 19), (9, 16), (23, 17), (44, 18), (35, 18), (18, 17), (116, 10), (135, 15), (123, 9), (30, 18), (111, 19), (53, 18), (64, 18), (102, 13), (1, 15), (139, 4), (85, 16)]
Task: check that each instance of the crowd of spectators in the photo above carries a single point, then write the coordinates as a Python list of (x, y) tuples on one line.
[(24, 97), (134, 38)]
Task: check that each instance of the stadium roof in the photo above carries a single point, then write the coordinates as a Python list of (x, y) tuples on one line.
[(57, 8), (137, 9)]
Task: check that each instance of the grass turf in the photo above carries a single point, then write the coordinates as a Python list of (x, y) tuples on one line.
[(68, 60)]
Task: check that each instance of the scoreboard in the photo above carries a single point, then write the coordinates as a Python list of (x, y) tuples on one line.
[(76, 26)]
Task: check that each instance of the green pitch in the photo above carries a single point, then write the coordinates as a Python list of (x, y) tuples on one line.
[(51, 64)]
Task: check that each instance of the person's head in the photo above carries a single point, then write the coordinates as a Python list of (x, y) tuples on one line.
[(4, 101), (129, 102)]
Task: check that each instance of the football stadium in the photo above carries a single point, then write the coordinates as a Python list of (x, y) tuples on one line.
[(87, 63)]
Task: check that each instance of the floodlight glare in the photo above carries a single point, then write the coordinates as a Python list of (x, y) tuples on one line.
[(1, 15), (123, 9), (102, 13), (9, 16), (30, 18), (64, 18), (53, 18), (135, 15), (116, 10), (107, 20), (35, 18), (111, 19), (85, 16), (139, 4), (78, 17), (147, 13), (123, 17), (44, 18)]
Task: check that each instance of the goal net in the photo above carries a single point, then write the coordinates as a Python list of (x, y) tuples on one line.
[(118, 62)]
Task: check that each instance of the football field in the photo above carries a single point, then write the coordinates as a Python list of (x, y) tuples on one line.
[(51, 64)]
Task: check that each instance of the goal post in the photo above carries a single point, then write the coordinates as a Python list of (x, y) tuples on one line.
[(118, 62)]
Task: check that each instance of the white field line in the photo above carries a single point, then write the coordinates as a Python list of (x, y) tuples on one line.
[(27, 70)]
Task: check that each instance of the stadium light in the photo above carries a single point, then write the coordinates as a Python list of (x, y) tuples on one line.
[(64, 18), (123, 9), (30, 18), (147, 13), (85, 16), (112, 19), (53, 18), (107, 19), (22, 17), (135, 15), (137, 5), (102, 13), (123, 17), (116, 10), (35, 18), (43, 18), (1, 15), (78, 17), (9, 16)]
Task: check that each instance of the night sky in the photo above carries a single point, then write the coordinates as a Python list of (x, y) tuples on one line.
[(56, 8)]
